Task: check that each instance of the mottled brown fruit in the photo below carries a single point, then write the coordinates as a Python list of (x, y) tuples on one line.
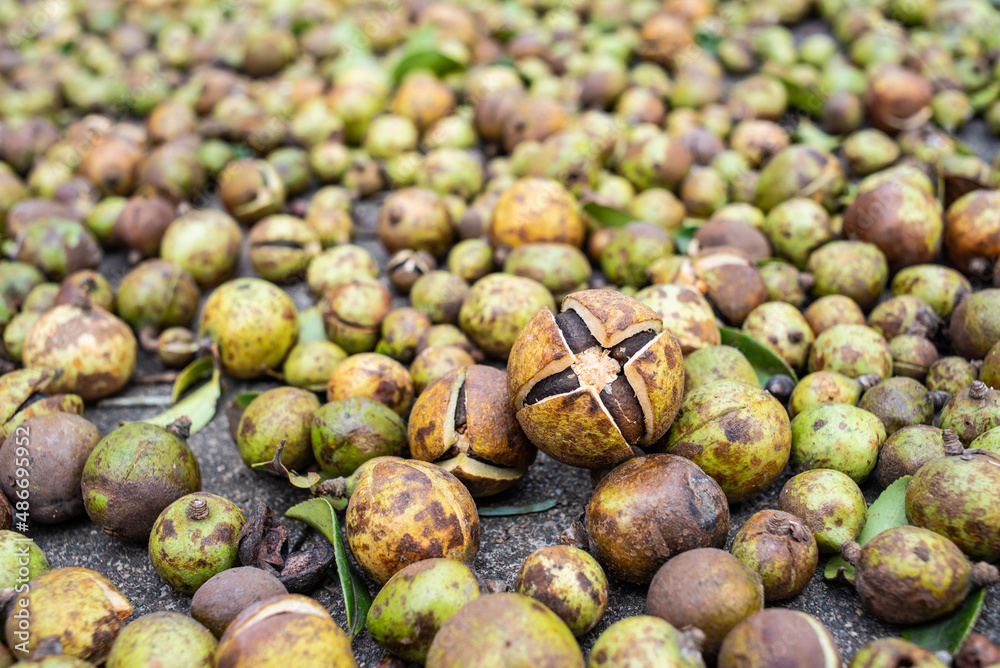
[(832, 310), (975, 324), (855, 269), (227, 594), (894, 653), (972, 412), (899, 402), (415, 219), (897, 98), (569, 582), (902, 220), (904, 314), (972, 231), (535, 210), (374, 376), (780, 637), (732, 282), (685, 312), (780, 549), (912, 356), (907, 450), (950, 374)]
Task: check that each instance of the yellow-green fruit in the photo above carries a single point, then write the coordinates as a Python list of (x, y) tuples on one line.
[(837, 436), (416, 601), (404, 511), (894, 652), (716, 363), (853, 350), (504, 631), (823, 387), (282, 414), (781, 328), (165, 640), (569, 582), (829, 503), (19, 552), (643, 641)]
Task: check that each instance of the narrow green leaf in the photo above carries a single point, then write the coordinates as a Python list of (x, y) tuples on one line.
[(682, 237), (435, 61), (311, 326), (764, 361), (191, 374), (964, 149), (607, 216), (809, 133), (199, 406), (708, 40), (320, 515), (984, 97), (504, 511), (887, 511), (948, 633), (244, 398)]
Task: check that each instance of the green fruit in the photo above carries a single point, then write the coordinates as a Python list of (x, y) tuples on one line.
[(907, 450), (780, 637), (496, 309), (940, 287), (990, 371), (796, 169), (975, 324), (158, 294), (642, 641), (736, 433), (16, 333), (894, 652), (310, 364), (205, 243), (686, 313), (989, 440), (958, 496), (254, 323), (780, 549), (20, 560), (796, 228), (133, 474), (855, 269), (951, 375), (973, 411), (837, 436), (17, 279), (903, 314), (569, 582), (631, 250), (58, 247), (899, 402), (413, 605), (853, 350), (829, 503), (717, 363), (166, 639), (282, 414), (402, 331), (783, 329), (193, 539), (510, 631), (823, 387), (348, 432), (559, 267), (439, 295)]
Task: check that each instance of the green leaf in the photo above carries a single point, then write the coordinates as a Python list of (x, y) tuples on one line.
[(708, 40), (964, 149), (422, 53), (199, 406), (311, 326), (607, 216), (320, 515), (887, 512), (244, 398), (682, 237), (984, 97), (504, 511), (809, 133), (950, 632), (191, 374), (764, 361)]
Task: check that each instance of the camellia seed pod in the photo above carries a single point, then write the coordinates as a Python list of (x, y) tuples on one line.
[(650, 509), (904, 314), (349, 432), (975, 324), (158, 294), (899, 402), (508, 630), (972, 412), (536, 210), (780, 637), (374, 376), (798, 169), (902, 220), (823, 387), (716, 363), (852, 350), (594, 380), (837, 436), (644, 640), (403, 511), (284, 631), (855, 269), (780, 549), (281, 248), (685, 312), (353, 313), (415, 219), (463, 422), (907, 450), (153, 637), (731, 280), (897, 98), (908, 575), (736, 433), (892, 652), (280, 414), (706, 588), (225, 595), (942, 288), (972, 231), (413, 605), (782, 328), (79, 607), (829, 503), (832, 310), (569, 582), (18, 552)]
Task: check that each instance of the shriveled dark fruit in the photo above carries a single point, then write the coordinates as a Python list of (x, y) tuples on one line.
[(685, 312), (59, 445), (583, 382), (975, 324), (569, 582), (170, 638), (510, 630), (463, 422), (907, 450), (438, 519), (58, 247), (909, 575), (95, 350), (158, 294), (716, 363), (282, 414), (893, 653), (733, 282), (193, 539), (958, 496), (899, 402), (832, 310), (897, 98), (348, 432), (972, 412), (823, 387), (650, 509), (912, 356), (496, 309), (225, 595), (972, 231), (708, 589), (375, 376), (950, 374), (88, 284), (736, 433), (78, 607), (853, 350), (855, 269), (143, 221), (415, 219), (413, 605), (133, 474), (781, 549), (829, 503), (644, 640), (275, 632), (942, 288), (780, 637), (902, 220)]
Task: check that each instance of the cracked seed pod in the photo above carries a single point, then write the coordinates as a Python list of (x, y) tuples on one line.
[(225, 595), (904, 314), (569, 582), (907, 450), (975, 324), (908, 575), (281, 248), (413, 605), (463, 422), (251, 189), (899, 402), (958, 496), (853, 350), (893, 653), (780, 549), (404, 511), (150, 639), (685, 312), (284, 631), (644, 640), (650, 509), (736, 433), (829, 503), (780, 637), (78, 607), (594, 380), (708, 589), (716, 363), (353, 312), (732, 282), (972, 412)]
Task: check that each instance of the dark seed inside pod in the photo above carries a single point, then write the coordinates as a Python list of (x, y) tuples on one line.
[(625, 350), (575, 331), (460, 414), (624, 407), (560, 383)]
